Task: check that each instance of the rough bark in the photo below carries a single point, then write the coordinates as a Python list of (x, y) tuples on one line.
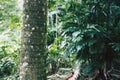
[(33, 40)]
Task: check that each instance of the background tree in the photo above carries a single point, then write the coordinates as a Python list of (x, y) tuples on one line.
[(33, 48)]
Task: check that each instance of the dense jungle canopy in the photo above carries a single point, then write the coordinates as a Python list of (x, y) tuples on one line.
[(69, 34)]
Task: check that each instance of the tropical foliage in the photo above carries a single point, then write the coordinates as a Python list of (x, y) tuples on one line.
[(9, 39), (84, 32), (90, 30)]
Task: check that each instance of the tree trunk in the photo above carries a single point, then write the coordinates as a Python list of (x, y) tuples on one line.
[(101, 75), (33, 40)]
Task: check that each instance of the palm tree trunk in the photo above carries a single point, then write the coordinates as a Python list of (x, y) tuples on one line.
[(33, 40)]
